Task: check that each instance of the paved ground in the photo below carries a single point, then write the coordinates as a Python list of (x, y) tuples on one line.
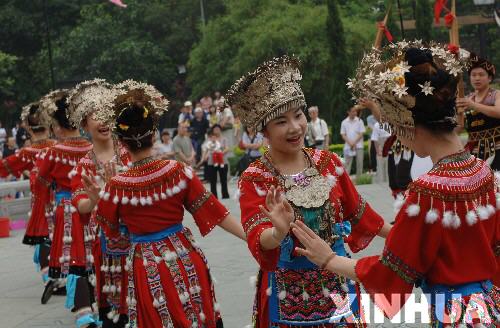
[(231, 265)]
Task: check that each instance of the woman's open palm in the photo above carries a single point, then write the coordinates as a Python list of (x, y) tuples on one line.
[(278, 210)]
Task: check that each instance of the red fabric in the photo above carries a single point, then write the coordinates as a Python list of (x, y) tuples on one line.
[(388, 144), (453, 48), (206, 210), (438, 8), (164, 213), (448, 19), (416, 249), (257, 179), (387, 33), (14, 165), (55, 167)]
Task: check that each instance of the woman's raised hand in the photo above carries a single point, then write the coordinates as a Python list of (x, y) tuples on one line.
[(91, 188), (316, 249), (109, 170), (278, 211)]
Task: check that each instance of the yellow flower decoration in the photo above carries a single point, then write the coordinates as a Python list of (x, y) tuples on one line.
[(400, 80), (146, 112), (123, 127)]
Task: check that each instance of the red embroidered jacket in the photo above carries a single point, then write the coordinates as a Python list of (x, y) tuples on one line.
[(24, 159)]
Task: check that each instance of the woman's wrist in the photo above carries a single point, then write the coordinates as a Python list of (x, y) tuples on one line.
[(277, 236)]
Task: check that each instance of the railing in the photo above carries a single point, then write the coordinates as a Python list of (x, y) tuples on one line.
[(12, 207)]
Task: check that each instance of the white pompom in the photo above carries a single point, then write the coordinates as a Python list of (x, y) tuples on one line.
[(491, 209), (72, 209), (189, 172), (182, 184), (471, 218), (260, 192), (134, 201), (106, 196), (202, 317), (64, 160), (116, 200), (110, 315), (163, 196), (282, 295), (149, 200), (217, 307), (112, 269), (456, 221), (169, 192), (482, 212), (101, 193), (176, 190), (116, 318), (447, 219), (269, 291), (413, 210), (118, 269), (125, 200), (398, 203), (431, 216), (57, 159), (156, 197), (51, 157), (142, 200), (332, 180), (339, 170)]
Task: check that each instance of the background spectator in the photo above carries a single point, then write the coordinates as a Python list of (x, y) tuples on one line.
[(351, 130), (206, 102), (372, 153), (164, 148), (214, 115), (217, 144), (379, 137), (251, 143), (199, 127), (9, 148), (21, 135), (218, 99), (3, 136), (186, 113), (182, 145), (227, 125), (317, 130)]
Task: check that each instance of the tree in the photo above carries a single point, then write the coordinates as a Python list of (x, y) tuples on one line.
[(339, 96), (423, 17)]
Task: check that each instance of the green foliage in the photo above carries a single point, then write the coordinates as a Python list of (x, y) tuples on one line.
[(7, 64), (424, 17), (364, 179)]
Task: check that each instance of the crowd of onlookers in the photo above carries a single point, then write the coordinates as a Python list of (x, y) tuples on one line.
[(208, 132)]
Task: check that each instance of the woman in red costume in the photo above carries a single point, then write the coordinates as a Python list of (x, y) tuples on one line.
[(446, 239), (169, 280), (292, 291), (37, 231), (70, 258), (88, 101)]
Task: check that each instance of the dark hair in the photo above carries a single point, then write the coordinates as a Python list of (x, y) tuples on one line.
[(435, 111), (60, 114), (135, 126), (33, 120)]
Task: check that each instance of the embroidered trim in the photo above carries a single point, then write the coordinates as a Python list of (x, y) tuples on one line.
[(128, 179), (78, 192), (199, 202), (358, 213), (404, 271), (42, 180), (103, 221), (254, 221)]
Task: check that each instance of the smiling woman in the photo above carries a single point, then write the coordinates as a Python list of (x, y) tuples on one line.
[(292, 183)]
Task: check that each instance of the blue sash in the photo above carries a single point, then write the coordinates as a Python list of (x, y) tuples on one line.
[(62, 194), (156, 236)]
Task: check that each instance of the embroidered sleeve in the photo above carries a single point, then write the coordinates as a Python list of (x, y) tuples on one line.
[(365, 222), (41, 190), (78, 191), (14, 165), (254, 223), (207, 211), (410, 251)]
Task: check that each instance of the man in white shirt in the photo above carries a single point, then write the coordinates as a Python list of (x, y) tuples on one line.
[(379, 137), (351, 130), (317, 130), (186, 113)]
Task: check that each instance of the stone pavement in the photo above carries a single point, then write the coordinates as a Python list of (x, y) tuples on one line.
[(230, 261)]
